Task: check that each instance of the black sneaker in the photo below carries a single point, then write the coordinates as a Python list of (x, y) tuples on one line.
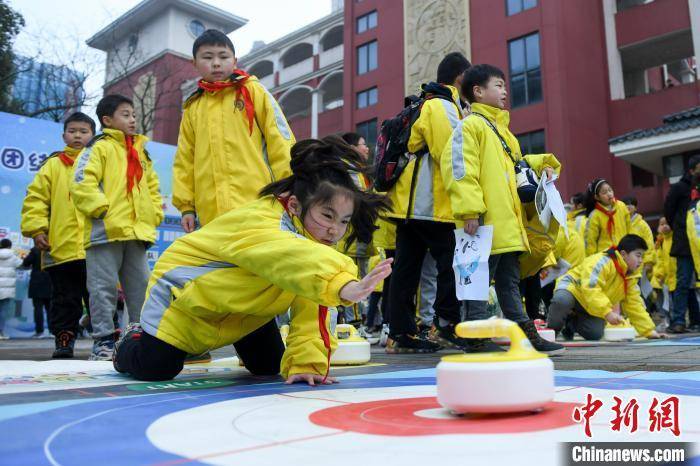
[(482, 345), (539, 343), (133, 331), (410, 344), (568, 331), (447, 338), (65, 341), (676, 328)]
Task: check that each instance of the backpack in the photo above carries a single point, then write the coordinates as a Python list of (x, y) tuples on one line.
[(391, 153)]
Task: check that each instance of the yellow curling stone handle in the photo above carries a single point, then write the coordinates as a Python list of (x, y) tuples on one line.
[(520, 347), (347, 332)]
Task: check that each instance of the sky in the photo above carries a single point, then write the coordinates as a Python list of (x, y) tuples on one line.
[(56, 31)]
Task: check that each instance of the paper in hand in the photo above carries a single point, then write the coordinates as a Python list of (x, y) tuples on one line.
[(471, 263)]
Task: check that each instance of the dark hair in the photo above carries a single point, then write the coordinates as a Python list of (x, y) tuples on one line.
[(320, 170), (108, 105), (5, 243), (82, 118), (630, 243), (351, 138), (578, 198), (212, 37), (629, 200), (694, 161), (451, 67), (593, 189), (479, 75)]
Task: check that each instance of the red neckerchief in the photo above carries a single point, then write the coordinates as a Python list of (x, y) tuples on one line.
[(694, 194), (611, 217), (322, 310), (134, 171), (618, 267), (237, 81), (67, 161)]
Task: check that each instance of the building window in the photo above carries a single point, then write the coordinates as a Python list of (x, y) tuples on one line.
[(367, 98), (196, 28), (525, 73), (513, 7), (367, 22), (532, 143), (641, 178), (367, 57), (368, 130)]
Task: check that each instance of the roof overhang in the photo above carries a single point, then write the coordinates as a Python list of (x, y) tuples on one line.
[(648, 152)]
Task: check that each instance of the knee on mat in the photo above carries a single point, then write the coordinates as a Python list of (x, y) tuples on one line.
[(591, 334)]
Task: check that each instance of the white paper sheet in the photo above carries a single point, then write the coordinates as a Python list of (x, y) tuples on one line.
[(471, 263), (549, 204), (555, 272)]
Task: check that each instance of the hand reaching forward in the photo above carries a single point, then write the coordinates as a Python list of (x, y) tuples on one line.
[(311, 379), (357, 291)]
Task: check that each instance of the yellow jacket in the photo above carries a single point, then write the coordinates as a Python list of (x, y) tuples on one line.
[(429, 200), (692, 226), (480, 177), (99, 192), (639, 227), (541, 243), (48, 209), (597, 238), (570, 249), (219, 165), (576, 220), (596, 284), (212, 287), (664, 272), (385, 235)]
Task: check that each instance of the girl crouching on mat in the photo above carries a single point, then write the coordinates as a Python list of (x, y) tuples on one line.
[(225, 283)]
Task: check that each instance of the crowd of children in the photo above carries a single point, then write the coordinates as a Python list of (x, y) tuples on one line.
[(276, 227)]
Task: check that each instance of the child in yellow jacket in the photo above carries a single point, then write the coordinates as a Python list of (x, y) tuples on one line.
[(233, 140), (639, 227), (608, 218), (50, 218), (577, 217), (116, 189), (225, 283), (586, 295)]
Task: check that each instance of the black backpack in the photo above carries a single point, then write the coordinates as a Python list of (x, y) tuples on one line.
[(391, 154)]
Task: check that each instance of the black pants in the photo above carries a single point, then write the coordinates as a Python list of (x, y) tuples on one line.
[(374, 300), (413, 239), (69, 295), (531, 290), (151, 359), (40, 305)]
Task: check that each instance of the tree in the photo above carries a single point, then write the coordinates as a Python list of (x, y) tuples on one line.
[(10, 24)]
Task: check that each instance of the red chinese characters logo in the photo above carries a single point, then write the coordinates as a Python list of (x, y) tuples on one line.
[(664, 416)]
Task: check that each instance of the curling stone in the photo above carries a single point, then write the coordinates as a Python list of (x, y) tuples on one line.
[(352, 348), (620, 332), (519, 379), (541, 326)]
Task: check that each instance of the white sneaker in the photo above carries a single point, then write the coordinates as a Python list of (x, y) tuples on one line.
[(3, 337), (364, 333), (384, 335)]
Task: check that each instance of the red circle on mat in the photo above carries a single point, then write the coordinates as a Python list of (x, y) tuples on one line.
[(398, 418)]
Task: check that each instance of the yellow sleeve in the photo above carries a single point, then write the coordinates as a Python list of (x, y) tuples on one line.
[(648, 237), (460, 166), (539, 162), (298, 265), (592, 234), (37, 204), (692, 226), (85, 191), (183, 166), (154, 190), (305, 353), (633, 307), (595, 276), (275, 130), (658, 274), (438, 118)]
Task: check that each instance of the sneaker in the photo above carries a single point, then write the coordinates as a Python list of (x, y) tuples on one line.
[(539, 343), (133, 331), (367, 335), (406, 343), (568, 331), (102, 349), (447, 338), (3, 337), (384, 335), (37, 335), (676, 328), (198, 358), (694, 328), (65, 341), (482, 345)]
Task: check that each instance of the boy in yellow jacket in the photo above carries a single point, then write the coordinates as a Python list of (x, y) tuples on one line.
[(225, 283), (585, 296), (478, 167), (50, 218), (116, 189), (234, 138)]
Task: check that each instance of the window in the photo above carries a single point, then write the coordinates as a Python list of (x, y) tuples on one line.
[(532, 143), (196, 28), (367, 57), (367, 22), (525, 74), (641, 178), (513, 7), (368, 130), (367, 98)]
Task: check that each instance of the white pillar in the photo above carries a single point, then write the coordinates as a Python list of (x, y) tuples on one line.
[(694, 9), (314, 113), (615, 74)]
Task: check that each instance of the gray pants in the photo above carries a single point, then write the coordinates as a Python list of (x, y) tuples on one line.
[(505, 270), (428, 289), (566, 310), (107, 265)]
